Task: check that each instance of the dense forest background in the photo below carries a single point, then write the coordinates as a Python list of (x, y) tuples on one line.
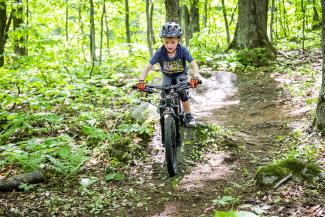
[(66, 73)]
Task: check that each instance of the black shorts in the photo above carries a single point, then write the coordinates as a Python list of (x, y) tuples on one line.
[(182, 78)]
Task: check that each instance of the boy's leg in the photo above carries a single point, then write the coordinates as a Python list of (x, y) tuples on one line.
[(165, 79), (188, 115), (186, 102), (186, 106)]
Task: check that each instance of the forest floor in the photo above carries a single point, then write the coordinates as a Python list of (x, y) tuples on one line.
[(262, 121), (263, 118)]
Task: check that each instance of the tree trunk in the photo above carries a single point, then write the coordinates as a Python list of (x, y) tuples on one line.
[(66, 21), (18, 23), (27, 23), (92, 37), (319, 121), (226, 21), (285, 22), (316, 22), (251, 28), (172, 11), (205, 17), (303, 9), (232, 15), (148, 28), (27, 178), (102, 31), (195, 16), (127, 25), (3, 22), (107, 32), (276, 21), (4, 27), (153, 40), (81, 24), (272, 21), (186, 24)]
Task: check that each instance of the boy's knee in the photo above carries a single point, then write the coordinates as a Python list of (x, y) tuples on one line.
[(183, 95)]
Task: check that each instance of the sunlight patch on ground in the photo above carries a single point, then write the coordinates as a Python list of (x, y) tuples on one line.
[(170, 210), (156, 147), (299, 112), (215, 168), (214, 93)]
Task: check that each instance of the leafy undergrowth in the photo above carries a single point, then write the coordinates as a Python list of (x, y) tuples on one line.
[(56, 121), (75, 129)]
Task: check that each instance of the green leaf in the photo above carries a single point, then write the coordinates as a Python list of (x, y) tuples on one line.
[(225, 214), (225, 200), (114, 177)]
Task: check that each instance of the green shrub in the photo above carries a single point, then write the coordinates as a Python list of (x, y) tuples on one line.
[(51, 153), (253, 57)]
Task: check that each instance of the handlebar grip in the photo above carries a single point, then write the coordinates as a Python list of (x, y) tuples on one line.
[(147, 89)]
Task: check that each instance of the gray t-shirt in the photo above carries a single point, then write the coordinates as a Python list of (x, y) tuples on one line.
[(172, 66)]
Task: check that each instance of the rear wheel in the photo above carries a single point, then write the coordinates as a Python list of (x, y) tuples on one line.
[(170, 144)]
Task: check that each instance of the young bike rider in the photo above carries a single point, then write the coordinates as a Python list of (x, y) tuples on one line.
[(172, 58)]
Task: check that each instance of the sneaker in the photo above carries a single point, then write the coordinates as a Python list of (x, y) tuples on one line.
[(190, 122)]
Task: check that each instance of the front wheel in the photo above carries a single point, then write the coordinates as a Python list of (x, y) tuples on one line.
[(170, 144)]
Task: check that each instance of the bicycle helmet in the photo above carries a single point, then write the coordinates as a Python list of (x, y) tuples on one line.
[(170, 30)]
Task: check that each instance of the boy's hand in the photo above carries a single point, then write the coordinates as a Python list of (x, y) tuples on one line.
[(141, 85), (194, 81)]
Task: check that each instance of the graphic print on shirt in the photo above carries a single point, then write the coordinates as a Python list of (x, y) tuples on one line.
[(174, 66)]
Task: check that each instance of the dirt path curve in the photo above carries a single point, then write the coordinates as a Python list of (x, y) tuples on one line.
[(256, 111)]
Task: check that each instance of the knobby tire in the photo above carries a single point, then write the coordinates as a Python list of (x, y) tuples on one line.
[(170, 144)]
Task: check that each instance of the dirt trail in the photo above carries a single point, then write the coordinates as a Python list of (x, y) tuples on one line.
[(256, 110)]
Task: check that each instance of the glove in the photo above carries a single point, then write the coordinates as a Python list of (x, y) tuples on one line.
[(194, 81), (141, 85)]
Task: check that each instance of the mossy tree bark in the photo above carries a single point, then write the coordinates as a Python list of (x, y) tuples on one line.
[(320, 110), (251, 28)]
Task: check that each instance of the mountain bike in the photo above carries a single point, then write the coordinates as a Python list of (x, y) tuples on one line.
[(171, 117)]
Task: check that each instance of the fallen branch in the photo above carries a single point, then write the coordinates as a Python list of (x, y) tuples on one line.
[(282, 181), (282, 53), (15, 181)]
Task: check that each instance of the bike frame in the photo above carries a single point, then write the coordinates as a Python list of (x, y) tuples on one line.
[(170, 105)]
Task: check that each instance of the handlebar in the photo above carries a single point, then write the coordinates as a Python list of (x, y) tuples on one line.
[(177, 87)]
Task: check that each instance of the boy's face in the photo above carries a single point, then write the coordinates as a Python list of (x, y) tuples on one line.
[(170, 44)]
